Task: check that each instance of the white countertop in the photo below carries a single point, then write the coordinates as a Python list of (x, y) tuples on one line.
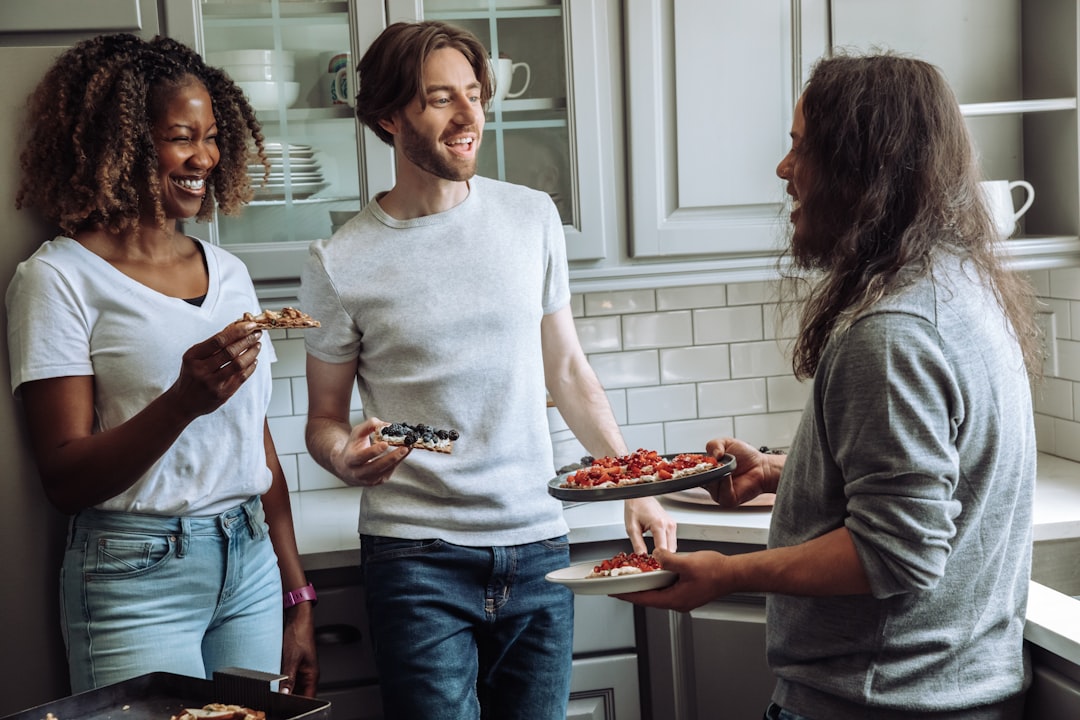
[(326, 533)]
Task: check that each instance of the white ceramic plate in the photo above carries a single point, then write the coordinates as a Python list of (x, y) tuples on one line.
[(574, 577)]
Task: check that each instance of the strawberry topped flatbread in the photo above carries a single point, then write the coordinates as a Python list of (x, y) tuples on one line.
[(642, 466)]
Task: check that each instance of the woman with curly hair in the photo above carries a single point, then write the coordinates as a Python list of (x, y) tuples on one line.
[(145, 400)]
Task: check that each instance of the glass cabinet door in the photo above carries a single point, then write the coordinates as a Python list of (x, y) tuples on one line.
[(294, 61), (534, 134)]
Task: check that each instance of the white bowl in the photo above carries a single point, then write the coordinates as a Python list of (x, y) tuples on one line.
[(264, 95), (251, 57), (260, 73)]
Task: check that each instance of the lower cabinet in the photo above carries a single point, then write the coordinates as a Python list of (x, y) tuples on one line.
[(709, 663), (1055, 687)]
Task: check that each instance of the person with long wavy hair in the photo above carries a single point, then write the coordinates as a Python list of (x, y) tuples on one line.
[(899, 553), (145, 399)]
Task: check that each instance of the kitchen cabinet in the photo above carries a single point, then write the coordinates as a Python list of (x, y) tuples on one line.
[(551, 136), (1013, 66), (711, 661)]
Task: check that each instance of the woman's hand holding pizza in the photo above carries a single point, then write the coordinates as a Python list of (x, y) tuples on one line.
[(359, 462), (755, 472), (213, 370)]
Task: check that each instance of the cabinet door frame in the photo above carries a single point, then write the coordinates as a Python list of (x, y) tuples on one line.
[(592, 92)]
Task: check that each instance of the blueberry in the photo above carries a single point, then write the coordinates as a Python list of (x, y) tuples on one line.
[(453, 434), (410, 439)]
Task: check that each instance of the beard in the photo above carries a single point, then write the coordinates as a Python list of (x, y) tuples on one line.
[(426, 156)]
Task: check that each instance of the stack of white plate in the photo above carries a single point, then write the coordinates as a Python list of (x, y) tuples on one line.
[(305, 177)]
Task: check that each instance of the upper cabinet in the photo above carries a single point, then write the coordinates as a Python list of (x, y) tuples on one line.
[(1013, 67), (710, 93), (550, 125), (296, 59)]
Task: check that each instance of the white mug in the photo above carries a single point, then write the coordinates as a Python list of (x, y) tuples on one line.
[(336, 87), (999, 201), (503, 69)]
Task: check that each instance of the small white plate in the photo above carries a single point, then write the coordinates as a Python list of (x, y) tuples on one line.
[(574, 577)]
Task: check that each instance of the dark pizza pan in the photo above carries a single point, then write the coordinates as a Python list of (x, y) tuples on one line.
[(626, 492)]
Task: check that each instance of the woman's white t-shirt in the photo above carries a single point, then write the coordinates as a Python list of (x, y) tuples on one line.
[(71, 313)]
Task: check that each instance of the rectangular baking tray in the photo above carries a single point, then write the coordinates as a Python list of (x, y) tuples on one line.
[(160, 695)]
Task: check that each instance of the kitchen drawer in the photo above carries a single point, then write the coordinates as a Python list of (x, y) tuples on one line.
[(346, 657), (359, 703)]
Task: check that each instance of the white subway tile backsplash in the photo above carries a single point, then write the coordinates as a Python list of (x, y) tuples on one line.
[(313, 476), (657, 404), (1067, 439), (691, 435), (600, 334), (694, 364), (752, 293), (288, 433), (288, 467), (1065, 283), (655, 330), (732, 397), (1040, 281), (280, 398), (787, 393), (617, 398), (627, 369), (781, 320), (691, 298), (774, 429), (291, 357), (577, 305), (299, 395), (727, 325), (622, 301), (1044, 433), (1069, 359), (1053, 396), (1073, 323), (758, 359), (649, 437)]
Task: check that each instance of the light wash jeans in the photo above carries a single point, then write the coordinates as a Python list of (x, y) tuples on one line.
[(462, 633), (186, 595)]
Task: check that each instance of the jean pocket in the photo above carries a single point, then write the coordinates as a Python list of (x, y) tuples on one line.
[(376, 549), (118, 557), (558, 543)]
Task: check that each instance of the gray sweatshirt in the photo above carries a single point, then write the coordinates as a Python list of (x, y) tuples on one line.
[(919, 438)]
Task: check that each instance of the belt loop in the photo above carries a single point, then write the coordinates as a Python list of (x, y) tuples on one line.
[(253, 511), (185, 537)]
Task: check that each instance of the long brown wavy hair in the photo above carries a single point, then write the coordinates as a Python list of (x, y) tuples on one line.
[(391, 72), (89, 160), (893, 180)]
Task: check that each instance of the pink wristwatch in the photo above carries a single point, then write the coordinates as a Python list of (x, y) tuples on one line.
[(304, 594)]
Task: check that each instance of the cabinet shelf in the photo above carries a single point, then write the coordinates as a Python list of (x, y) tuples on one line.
[(219, 14), (1016, 107)]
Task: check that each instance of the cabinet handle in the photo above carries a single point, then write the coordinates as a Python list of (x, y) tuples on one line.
[(337, 634)]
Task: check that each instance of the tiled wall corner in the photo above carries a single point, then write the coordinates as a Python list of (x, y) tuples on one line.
[(1056, 398)]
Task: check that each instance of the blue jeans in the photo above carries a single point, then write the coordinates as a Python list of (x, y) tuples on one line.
[(187, 595), (462, 633), (775, 712)]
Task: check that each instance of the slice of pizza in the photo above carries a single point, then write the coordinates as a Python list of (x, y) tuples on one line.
[(420, 436), (288, 318), (641, 466), (625, 564)]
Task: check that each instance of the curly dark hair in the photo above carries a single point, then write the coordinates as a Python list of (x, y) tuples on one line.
[(893, 181), (89, 160), (391, 72)]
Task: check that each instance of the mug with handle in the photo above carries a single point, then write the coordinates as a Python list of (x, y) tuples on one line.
[(999, 201), (504, 70)]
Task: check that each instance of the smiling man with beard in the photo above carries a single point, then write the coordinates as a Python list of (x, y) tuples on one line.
[(446, 301)]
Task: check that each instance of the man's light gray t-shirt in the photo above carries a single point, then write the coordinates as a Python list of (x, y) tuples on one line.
[(443, 313)]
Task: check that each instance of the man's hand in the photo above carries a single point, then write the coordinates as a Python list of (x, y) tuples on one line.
[(646, 514), (360, 463)]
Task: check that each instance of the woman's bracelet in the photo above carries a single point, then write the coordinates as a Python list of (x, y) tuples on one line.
[(304, 594)]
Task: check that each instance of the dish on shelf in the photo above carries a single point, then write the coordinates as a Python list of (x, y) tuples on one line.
[(575, 578), (644, 489), (267, 95), (300, 191), (700, 496)]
